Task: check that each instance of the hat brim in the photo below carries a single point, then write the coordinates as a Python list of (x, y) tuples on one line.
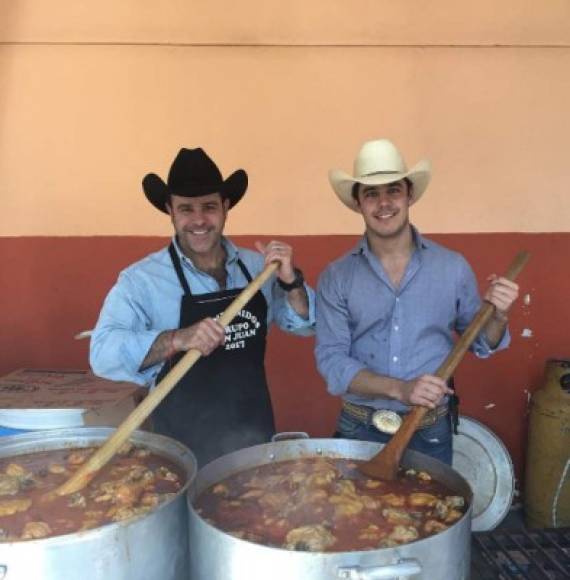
[(158, 192), (342, 183)]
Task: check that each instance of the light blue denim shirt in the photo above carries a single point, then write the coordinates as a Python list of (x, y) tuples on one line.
[(145, 301), (363, 322)]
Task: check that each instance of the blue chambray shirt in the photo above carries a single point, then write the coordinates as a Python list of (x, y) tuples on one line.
[(145, 301), (363, 322)]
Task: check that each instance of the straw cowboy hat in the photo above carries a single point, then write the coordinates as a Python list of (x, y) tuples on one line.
[(379, 162), (194, 174)]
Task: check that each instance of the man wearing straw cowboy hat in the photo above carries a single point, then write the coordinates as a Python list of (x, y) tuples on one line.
[(388, 309), (167, 304)]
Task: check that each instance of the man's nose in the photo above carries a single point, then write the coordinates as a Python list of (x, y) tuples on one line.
[(383, 198), (198, 218)]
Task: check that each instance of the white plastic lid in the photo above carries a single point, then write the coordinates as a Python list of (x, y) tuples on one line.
[(38, 419)]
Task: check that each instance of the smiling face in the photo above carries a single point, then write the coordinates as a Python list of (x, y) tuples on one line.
[(385, 208), (199, 223)]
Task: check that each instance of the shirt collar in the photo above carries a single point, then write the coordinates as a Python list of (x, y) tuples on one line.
[(420, 242), (232, 252)]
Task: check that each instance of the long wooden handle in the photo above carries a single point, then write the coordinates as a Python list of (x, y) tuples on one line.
[(87, 471), (449, 365), (384, 465)]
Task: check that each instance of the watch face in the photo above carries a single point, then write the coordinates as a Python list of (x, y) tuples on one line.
[(297, 282)]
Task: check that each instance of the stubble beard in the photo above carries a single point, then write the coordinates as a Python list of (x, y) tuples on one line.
[(381, 235), (201, 248)]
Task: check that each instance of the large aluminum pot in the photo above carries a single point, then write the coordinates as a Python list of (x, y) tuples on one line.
[(154, 545), (216, 555)]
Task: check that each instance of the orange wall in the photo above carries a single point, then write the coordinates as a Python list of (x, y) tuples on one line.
[(94, 95), (271, 22)]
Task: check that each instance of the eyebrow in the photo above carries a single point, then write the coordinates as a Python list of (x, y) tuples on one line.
[(189, 205)]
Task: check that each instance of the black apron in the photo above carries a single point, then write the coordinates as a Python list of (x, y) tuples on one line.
[(222, 403)]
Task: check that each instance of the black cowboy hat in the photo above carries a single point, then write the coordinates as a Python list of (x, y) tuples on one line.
[(193, 174)]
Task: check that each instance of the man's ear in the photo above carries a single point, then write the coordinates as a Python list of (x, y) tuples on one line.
[(355, 196), (226, 204), (410, 193)]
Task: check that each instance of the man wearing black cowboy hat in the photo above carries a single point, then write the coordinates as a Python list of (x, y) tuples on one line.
[(388, 310), (167, 303)]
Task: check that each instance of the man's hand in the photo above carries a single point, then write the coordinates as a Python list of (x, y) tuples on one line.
[(427, 391), (501, 293), (281, 252), (205, 336)]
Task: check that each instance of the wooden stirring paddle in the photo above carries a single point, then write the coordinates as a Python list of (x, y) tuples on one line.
[(384, 465), (87, 471)]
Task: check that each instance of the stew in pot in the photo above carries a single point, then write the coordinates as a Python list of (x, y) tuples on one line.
[(327, 505), (131, 484)]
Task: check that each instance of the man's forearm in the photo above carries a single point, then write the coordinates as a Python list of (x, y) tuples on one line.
[(299, 301), (161, 349), (495, 329), (369, 384)]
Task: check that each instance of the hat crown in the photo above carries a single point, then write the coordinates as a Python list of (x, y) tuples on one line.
[(377, 157), (193, 174), (191, 168)]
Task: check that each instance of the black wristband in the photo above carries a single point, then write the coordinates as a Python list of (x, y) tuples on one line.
[(297, 282)]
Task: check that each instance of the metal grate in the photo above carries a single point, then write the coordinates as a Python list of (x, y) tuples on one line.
[(521, 554)]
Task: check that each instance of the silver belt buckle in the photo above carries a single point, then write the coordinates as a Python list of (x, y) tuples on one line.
[(386, 421)]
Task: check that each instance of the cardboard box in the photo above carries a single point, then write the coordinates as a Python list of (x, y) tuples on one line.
[(102, 402)]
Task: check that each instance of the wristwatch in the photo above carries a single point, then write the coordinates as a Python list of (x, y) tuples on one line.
[(297, 282)]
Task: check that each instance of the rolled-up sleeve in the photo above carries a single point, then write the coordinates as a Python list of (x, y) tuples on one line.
[(469, 303), (279, 309), (287, 317), (122, 336), (332, 351)]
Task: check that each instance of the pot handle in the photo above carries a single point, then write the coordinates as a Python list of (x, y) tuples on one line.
[(405, 567), (288, 435)]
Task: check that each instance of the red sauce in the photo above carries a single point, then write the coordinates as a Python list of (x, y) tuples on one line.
[(131, 484), (325, 504)]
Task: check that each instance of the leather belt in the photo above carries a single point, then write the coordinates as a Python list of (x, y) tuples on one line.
[(383, 420)]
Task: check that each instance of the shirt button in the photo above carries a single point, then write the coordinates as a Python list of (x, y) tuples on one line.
[(397, 300), (396, 327), (395, 359)]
